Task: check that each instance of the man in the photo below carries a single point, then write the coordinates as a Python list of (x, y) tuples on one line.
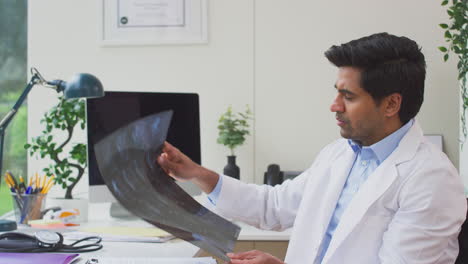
[(383, 194)]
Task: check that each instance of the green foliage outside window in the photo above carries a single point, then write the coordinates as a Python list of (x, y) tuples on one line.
[(13, 74)]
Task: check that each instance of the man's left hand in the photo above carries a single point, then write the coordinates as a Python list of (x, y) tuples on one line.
[(253, 257)]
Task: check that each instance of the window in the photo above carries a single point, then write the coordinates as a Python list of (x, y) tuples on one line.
[(13, 79)]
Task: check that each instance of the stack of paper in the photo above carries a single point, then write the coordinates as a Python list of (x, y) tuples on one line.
[(122, 234), (76, 235)]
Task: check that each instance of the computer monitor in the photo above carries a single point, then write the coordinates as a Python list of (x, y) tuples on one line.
[(117, 109)]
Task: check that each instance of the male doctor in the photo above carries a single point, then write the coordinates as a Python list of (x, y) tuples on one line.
[(381, 194)]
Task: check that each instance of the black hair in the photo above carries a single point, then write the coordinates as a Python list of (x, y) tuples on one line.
[(389, 64)]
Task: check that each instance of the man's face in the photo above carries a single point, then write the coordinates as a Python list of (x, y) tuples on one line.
[(359, 117)]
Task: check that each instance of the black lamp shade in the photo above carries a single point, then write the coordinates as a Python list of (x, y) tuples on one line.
[(83, 85)]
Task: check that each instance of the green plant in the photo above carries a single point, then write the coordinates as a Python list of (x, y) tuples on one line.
[(68, 166), (233, 128), (456, 35)]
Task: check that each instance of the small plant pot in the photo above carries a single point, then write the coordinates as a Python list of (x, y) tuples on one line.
[(231, 169)]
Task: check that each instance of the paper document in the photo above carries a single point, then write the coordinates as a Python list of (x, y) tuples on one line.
[(127, 231), (76, 235), (110, 260)]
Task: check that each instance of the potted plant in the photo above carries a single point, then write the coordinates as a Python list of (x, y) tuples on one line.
[(68, 162), (456, 36), (233, 129)]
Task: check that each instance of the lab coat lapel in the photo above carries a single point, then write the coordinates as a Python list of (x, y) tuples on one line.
[(338, 174), (320, 203), (377, 183)]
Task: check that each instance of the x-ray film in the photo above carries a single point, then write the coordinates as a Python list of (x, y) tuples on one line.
[(127, 161)]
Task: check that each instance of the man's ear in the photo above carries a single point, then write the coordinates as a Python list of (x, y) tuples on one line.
[(392, 104)]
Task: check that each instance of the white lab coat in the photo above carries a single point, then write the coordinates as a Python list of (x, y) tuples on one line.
[(409, 210)]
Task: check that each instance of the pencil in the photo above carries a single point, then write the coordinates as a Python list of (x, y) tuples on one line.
[(36, 184), (48, 185), (13, 180), (10, 181), (44, 178), (7, 180), (46, 190), (21, 185)]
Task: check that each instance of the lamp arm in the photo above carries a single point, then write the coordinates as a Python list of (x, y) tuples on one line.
[(11, 114), (2, 137)]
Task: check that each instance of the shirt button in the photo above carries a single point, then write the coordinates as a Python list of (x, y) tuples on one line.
[(364, 163)]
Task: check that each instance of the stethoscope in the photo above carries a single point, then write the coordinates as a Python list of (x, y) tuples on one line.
[(46, 241)]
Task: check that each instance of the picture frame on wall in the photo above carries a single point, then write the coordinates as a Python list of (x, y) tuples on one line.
[(153, 22)]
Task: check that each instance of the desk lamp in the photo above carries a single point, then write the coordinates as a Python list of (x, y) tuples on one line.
[(81, 85)]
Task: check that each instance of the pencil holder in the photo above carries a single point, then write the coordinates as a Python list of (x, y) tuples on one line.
[(28, 206)]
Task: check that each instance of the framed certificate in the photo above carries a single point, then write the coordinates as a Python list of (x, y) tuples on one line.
[(153, 22)]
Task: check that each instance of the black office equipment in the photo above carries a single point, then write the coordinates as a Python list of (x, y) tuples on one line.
[(7, 225), (45, 241), (107, 114), (274, 175)]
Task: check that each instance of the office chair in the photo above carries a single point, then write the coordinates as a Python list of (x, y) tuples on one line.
[(463, 244)]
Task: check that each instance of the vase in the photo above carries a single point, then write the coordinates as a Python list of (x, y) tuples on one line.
[(231, 169)]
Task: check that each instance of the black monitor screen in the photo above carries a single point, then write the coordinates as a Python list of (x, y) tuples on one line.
[(117, 109)]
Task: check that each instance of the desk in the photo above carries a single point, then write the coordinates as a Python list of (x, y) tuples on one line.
[(250, 238), (174, 248), (275, 243)]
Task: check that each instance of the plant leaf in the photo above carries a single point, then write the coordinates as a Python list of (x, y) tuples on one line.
[(444, 26), (448, 34), (443, 49)]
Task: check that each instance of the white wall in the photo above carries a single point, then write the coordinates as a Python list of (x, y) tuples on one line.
[(294, 81), (268, 54)]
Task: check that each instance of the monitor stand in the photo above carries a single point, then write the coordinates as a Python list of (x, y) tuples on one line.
[(118, 211)]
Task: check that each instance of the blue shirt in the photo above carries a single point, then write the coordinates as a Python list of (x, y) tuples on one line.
[(366, 161), (214, 195)]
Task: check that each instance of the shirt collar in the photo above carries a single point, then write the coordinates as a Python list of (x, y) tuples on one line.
[(384, 147)]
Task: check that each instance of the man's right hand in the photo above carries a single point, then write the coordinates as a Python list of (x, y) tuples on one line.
[(182, 168)]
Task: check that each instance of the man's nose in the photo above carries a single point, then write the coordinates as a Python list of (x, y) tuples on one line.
[(337, 105)]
